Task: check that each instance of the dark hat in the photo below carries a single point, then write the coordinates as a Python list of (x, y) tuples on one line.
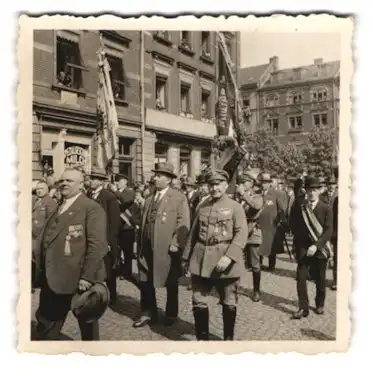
[(265, 177), (312, 182), (217, 175), (90, 305), (120, 176), (98, 173), (189, 182), (165, 168), (201, 179), (322, 180), (247, 176)]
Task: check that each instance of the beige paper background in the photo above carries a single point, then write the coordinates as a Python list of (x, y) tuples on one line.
[(275, 23)]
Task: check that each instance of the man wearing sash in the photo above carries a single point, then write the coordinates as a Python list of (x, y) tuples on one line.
[(311, 222)]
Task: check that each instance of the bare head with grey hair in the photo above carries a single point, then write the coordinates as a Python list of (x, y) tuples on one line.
[(71, 182)]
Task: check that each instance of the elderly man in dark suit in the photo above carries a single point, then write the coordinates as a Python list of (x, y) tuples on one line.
[(309, 252), (70, 257), (110, 204), (164, 232)]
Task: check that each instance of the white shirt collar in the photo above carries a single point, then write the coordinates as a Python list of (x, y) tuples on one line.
[(68, 202), (313, 204), (97, 190), (161, 193)]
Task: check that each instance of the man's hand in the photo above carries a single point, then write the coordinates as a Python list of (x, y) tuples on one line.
[(223, 264), (173, 249), (113, 187), (311, 250), (84, 285)]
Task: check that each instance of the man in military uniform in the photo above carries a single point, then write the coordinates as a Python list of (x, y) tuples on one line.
[(213, 254), (252, 201)]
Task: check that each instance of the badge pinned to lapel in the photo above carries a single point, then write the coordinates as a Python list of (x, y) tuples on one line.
[(67, 251), (269, 202), (164, 217)]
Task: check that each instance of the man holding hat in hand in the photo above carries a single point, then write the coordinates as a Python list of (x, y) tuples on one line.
[(70, 258), (214, 254), (164, 232)]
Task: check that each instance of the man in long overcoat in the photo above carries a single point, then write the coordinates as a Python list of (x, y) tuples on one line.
[(272, 215), (164, 232), (70, 257), (110, 204)]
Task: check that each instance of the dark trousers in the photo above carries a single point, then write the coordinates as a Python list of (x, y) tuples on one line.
[(126, 241), (318, 267), (51, 316), (111, 276), (148, 300), (271, 260)]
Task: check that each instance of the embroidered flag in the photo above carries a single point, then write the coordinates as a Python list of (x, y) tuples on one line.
[(105, 138)]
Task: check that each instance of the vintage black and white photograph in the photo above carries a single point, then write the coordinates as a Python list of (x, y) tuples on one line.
[(183, 184)]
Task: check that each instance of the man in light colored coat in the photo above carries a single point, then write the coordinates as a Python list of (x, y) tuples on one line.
[(164, 231)]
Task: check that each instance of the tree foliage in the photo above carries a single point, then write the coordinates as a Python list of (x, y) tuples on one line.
[(288, 159)]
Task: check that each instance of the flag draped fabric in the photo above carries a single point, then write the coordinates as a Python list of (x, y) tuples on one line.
[(105, 138)]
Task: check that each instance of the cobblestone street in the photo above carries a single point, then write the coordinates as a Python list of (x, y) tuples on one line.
[(267, 320)]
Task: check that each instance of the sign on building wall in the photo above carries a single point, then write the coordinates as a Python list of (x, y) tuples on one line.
[(76, 156)]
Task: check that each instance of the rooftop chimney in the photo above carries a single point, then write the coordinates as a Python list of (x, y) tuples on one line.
[(274, 61), (318, 61)]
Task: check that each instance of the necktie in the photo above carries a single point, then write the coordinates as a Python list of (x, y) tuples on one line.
[(157, 197), (61, 207)]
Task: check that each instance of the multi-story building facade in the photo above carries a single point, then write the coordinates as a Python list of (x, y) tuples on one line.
[(182, 67), (292, 101), (164, 84)]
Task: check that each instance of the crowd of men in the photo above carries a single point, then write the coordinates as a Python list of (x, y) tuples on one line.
[(87, 229)]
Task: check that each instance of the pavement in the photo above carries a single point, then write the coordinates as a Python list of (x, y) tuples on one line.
[(268, 320)]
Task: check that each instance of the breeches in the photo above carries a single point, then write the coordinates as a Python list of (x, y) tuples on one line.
[(227, 289), (254, 256)]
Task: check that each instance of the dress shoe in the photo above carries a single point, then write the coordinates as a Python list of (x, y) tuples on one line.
[(300, 314), (256, 297), (333, 287), (143, 321), (319, 310), (169, 321)]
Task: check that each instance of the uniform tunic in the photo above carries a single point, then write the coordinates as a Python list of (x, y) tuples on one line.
[(219, 229)]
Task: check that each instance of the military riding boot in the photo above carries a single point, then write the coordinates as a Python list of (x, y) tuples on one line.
[(201, 323), (229, 321), (256, 283)]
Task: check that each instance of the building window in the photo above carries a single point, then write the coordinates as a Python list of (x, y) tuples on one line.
[(320, 95), (272, 100), (205, 105), (117, 76), (126, 157), (246, 102), (206, 44), (160, 152), (69, 64), (295, 98), (161, 93), (185, 40), (295, 122), (185, 100), (273, 125), (320, 119), (185, 159)]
